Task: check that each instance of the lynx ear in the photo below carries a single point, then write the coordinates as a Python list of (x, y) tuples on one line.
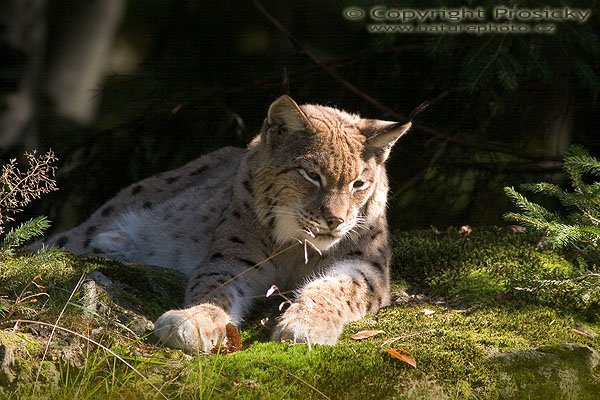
[(381, 136), (285, 112), (384, 134)]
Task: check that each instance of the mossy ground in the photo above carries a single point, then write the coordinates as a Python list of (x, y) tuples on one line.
[(495, 332)]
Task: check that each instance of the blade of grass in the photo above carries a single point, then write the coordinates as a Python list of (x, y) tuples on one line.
[(79, 282), (298, 378), (100, 345)]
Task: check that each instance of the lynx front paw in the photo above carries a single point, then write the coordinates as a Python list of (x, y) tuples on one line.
[(198, 328), (301, 326)]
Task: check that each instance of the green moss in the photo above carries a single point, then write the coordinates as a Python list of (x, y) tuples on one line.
[(53, 275), (54, 268), (560, 371), (503, 342), (492, 265), (146, 290)]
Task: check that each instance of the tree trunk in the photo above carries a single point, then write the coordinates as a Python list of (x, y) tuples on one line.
[(59, 54), (22, 39)]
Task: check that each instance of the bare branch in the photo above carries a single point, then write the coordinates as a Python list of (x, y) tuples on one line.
[(485, 146), (19, 188)]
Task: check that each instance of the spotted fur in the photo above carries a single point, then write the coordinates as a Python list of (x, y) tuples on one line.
[(302, 208)]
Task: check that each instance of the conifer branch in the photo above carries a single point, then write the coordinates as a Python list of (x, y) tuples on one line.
[(580, 227), (18, 189)]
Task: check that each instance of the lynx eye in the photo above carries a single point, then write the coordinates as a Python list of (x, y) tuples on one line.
[(312, 177), (358, 185)]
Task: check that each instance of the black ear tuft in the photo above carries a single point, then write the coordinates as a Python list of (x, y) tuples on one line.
[(422, 107)]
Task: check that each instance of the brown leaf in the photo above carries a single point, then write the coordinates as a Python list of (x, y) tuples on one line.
[(233, 344), (402, 356), (234, 340), (360, 335)]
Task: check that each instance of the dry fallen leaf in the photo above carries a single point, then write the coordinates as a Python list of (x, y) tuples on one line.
[(402, 356), (360, 335), (234, 341)]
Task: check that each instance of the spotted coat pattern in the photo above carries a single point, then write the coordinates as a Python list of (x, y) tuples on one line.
[(302, 208)]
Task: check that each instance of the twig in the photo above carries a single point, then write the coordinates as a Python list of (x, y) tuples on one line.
[(395, 339), (305, 71), (485, 146), (297, 377), (374, 102), (554, 167), (415, 179), (489, 64), (118, 357), (62, 312), (255, 266)]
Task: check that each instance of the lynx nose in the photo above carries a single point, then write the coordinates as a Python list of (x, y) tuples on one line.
[(333, 222)]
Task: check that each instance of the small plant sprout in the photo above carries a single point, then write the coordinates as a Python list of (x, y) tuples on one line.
[(18, 189)]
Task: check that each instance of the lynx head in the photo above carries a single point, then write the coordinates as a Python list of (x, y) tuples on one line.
[(319, 172)]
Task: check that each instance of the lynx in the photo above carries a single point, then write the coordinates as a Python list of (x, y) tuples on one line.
[(302, 208)]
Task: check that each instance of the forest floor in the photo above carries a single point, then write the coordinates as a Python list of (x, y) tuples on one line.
[(476, 314)]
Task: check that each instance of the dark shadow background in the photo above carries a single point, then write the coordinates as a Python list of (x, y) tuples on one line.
[(123, 89)]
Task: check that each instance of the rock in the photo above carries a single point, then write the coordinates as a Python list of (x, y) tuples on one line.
[(101, 300), (7, 361), (564, 371), (90, 299), (101, 279)]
